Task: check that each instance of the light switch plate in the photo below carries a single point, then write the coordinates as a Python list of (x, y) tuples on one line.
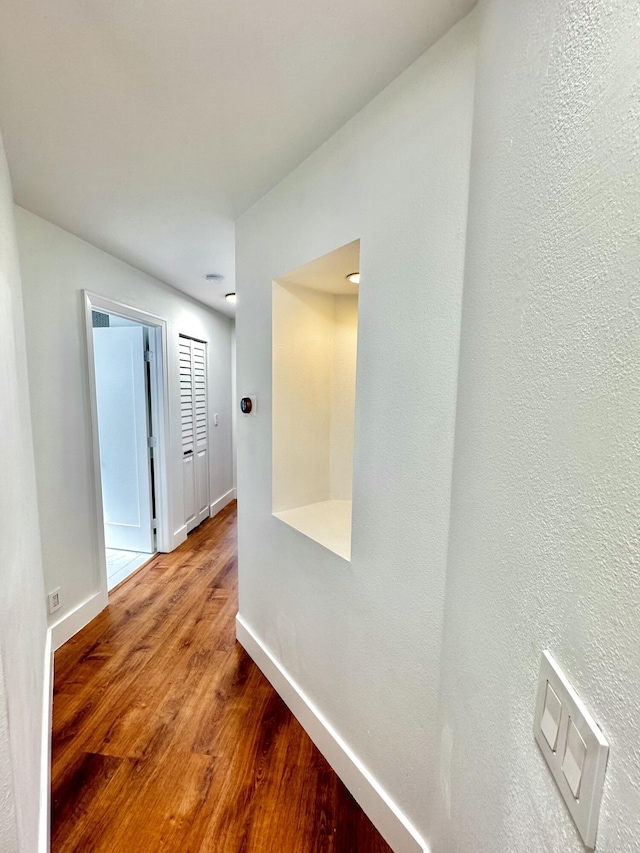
[(585, 808), (551, 716), (573, 761)]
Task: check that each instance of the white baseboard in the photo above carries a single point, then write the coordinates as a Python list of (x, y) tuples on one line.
[(80, 616), (392, 824), (179, 537), (44, 822), (222, 502)]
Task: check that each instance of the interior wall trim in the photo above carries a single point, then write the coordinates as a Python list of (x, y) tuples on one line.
[(389, 820), (222, 502), (44, 821), (76, 619), (179, 536)]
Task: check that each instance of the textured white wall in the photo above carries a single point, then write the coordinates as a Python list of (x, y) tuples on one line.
[(314, 377), (343, 396), (56, 267), (364, 641), (545, 538), (8, 824), (302, 369), (22, 610), (234, 406)]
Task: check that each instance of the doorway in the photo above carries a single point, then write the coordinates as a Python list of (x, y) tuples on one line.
[(125, 349)]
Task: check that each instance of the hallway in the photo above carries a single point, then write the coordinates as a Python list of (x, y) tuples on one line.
[(167, 737)]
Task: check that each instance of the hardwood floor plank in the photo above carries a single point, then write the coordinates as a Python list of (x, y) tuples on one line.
[(79, 789), (167, 737)]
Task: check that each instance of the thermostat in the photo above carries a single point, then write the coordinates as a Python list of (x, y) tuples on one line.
[(248, 405)]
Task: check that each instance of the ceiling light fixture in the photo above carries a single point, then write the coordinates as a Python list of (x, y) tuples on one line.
[(230, 297), (354, 277), (214, 276)]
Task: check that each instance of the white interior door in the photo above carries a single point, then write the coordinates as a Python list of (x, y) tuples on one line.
[(195, 451), (123, 430), (199, 361)]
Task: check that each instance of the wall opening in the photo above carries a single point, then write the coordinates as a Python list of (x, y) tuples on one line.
[(315, 328), (121, 361), (126, 351)]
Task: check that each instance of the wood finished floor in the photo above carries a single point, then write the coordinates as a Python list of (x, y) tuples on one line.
[(167, 737)]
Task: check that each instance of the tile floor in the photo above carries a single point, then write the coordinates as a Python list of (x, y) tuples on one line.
[(120, 564)]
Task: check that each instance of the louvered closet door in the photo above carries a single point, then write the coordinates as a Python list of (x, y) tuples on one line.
[(193, 407), (199, 365)]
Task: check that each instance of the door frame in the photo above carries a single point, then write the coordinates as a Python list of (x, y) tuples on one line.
[(159, 391)]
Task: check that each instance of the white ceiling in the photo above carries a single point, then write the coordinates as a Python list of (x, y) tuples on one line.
[(147, 126), (329, 272)]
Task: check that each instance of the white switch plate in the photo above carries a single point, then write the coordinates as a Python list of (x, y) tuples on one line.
[(551, 716), (584, 809)]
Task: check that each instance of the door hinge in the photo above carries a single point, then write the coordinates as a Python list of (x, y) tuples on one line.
[(154, 524), (148, 355), (151, 441)]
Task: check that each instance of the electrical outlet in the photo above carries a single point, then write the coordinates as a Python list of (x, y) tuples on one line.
[(54, 600)]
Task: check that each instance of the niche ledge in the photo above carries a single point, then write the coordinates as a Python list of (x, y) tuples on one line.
[(326, 522)]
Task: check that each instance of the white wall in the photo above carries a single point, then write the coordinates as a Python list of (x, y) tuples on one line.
[(343, 396), (302, 372), (22, 607), (8, 824), (235, 403), (545, 498), (364, 641), (56, 268), (545, 535), (314, 375)]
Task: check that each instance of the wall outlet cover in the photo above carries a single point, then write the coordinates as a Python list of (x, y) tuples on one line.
[(54, 600)]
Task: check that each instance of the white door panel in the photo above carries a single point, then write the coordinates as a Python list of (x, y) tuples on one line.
[(194, 421), (189, 492), (123, 431), (202, 482)]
